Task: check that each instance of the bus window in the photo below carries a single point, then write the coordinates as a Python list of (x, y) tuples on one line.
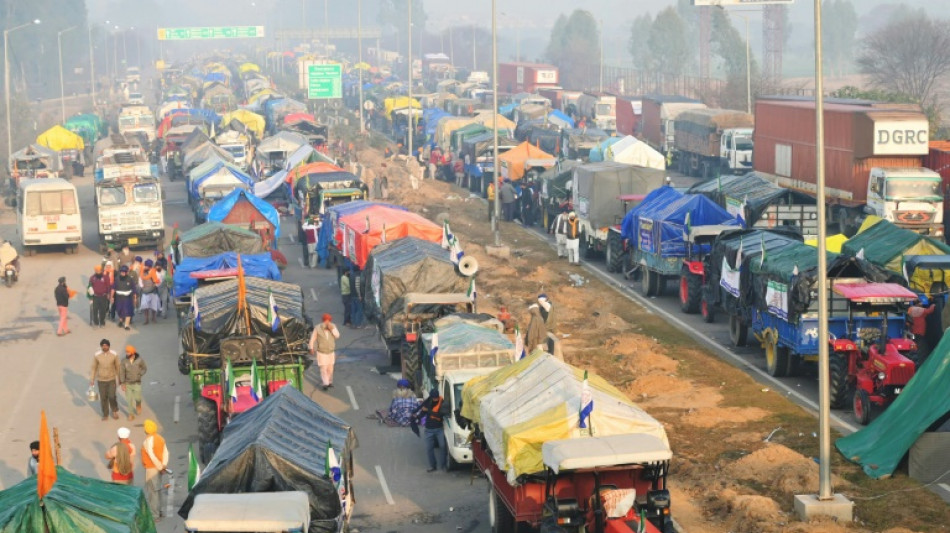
[(50, 203)]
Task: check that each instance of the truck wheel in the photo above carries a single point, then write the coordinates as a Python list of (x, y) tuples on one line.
[(499, 517), (862, 407), (840, 381), (614, 253), (586, 250), (709, 315), (690, 293), (209, 436), (647, 282), (776, 359), (411, 366), (738, 332)]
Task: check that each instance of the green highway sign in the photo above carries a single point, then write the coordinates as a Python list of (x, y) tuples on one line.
[(210, 32), (325, 81)]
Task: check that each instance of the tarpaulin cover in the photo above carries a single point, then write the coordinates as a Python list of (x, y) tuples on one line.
[(206, 115), (598, 153), (222, 208), (484, 117), (598, 186), (628, 226), (513, 161), (885, 245), (314, 169), (299, 117), (330, 232), (445, 127), (283, 141), (431, 117), (248, 67), (281, 445), (75, 504), (555, 180), (263, 189), (36, 152), (399, 102), (750, 191), (462, 337), (255, 266), (404, 266), (385, 225), (195, 139), (468, 130), (204, 152), (833, 243), (88, 126), (661, 225), (212, 169), (880, 446), (632, 151), (561, 119), (213, 238), (537, 399), (253, 121), (220, 319), (59, 138)]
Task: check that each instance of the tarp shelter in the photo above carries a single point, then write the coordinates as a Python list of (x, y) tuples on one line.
[(306, 154), (448, 124), (242, 208), (302, 171), (213, 238), (330, 232), (75, 504), (253, 121), (484, 117), (281, 445), (629, 225), (216, 172), (598, 153), (248, 67), (59, 138), (661, 221), (747, 195), (205, 152), (170, 106), (408, 265), (370, 227), (833, 243), (559, 118), (474, 341), (194, 140), (267, 187), (255, 266), (283, 141), (632, 151), (36, 156), (886, 245), (881, 446), (398, 102), (597, 189), (537, 399), (515, 162), (431, 117), (88, 126)]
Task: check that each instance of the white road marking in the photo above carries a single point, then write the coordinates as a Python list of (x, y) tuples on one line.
[(177, 408), (300, 261), (944, 486), (382, 483), (349, 391), (313, 294), (170, 498)]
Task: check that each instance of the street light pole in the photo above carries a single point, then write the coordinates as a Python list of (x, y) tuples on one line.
[(494, 122), (409, 61), (326, 23), (748, 70), (359, 45), (62, 84), (6, 84), (92, 69)]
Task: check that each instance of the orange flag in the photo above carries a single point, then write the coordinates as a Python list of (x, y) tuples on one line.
[(46, 473), (242, 288)]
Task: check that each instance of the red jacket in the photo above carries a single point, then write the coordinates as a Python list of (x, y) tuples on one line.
[(918, 317)]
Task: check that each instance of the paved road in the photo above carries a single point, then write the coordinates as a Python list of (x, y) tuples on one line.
[(392, 489)]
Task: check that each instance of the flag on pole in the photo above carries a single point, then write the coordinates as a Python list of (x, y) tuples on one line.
[(435, 346), (273, 318), (242, 288), (332, 465), (46, 469), (445, 235), (256, 391), (194, 469), (472, 293), (739, 255), (195, 312), (451, 243), (519, 344), (232, 386), (587, 403), (762, 250), (686, 224)]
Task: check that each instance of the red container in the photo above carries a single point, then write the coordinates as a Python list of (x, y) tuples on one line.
[(938, 160), (527, 77), (629, 111), (554, 95)]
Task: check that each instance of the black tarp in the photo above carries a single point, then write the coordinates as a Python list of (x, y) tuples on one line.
[(281, 445), (752, 190), (219, 319), (213, 238)]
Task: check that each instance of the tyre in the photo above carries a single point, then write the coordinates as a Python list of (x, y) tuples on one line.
[(709, 315), (586, 252), (209, 436), (738, 332), (183, 367), (412, 366), (690, 293), (776, 360), (614, 253), (499, 517), (862, 407), (647, 282), (840, 381)]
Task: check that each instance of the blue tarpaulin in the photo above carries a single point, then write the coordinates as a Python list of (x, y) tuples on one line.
[(222, 207), (207, 115), (628, 227), (216, 76), (255, 266), (333, 214), (507, 109), (558, 116), (597, 152), (660, 222), (196, 181), (431, 117)]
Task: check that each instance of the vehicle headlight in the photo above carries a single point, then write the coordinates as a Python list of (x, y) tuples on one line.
[(460, 440), (881, 376), (156, 223)]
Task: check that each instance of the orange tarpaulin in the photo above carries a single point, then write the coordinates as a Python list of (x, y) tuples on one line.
[(299, 117), (318, 167), (46, 470), (385, 224), (513, 161)]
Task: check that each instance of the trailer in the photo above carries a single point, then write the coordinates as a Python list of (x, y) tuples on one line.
[(711, 141)]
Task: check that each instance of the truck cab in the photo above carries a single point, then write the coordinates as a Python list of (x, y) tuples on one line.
[(735, 149), (909, 198)]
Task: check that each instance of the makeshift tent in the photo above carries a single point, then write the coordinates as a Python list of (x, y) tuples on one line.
[(306, 154), (241, 208), (283, 141), (213, 238), (886, 245), (834, 243), (266, 187), (537, 399), (598, 153), (484, 118), (408, 265), (661, 222), (629, 225), (632, 151), (375, 225), (330, 232), (399, 102), (431, 117), (299, 117), (75, 504), (880, 446), (255, 265), (747, 195), (204, 152), (281, 445), (248, 67), (515, 162), (475, 341), (253, 121), (598, 188), (560, 119), (194, 140), (59, 138), (302, 171), (445, 127), (216, 172), (88, 126)]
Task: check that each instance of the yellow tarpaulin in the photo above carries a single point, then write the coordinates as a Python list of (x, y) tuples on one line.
[(248, 67), (537, 399), (833, 242), (513, 161), (399, 102), (253, 121), (503, 122), (59, 138), (868, 222)]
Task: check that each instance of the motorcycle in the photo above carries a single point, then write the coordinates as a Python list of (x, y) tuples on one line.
[(11, 264)]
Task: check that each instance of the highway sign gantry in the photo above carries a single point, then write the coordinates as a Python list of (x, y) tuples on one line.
[(210, 32)]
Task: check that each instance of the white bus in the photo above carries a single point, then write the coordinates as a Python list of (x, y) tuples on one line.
[(48, 214)]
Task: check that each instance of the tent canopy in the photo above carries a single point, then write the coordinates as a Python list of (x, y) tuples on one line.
[(59, 138), (364, 230), (213, 238), (330, 231), (308, 169), (281, 445), (664, 218), (885, 245), (632, 151), (514, 161), (599, 152), (223, 207)]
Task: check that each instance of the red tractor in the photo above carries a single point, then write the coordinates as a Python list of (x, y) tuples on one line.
[(875, 360)]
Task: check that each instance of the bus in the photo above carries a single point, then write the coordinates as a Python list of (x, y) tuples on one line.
[(48, 215)]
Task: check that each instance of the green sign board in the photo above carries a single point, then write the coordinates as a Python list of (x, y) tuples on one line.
[(324, 81), (210, 32)]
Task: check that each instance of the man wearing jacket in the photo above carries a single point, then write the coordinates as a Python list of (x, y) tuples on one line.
[(105, 372), (435, 409), (131, 372)]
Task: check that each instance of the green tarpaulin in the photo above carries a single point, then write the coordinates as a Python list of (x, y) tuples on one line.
[(75, 504), (880, 446), (885, 245)]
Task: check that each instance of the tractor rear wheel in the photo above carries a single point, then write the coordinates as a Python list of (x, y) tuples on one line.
[(840, 381), (691, 287), (209, 435), (411, 366), (738, 332), (862, 407), (614, 253)]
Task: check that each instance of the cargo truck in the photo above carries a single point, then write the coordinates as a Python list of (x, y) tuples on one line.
[(526, 77), (712, 141), (874, 159), (137, 118), (600, 109), (657, 118)]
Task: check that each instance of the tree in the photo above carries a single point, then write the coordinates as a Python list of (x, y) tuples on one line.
[(729, 46), (908, 56), (838, 38), (575, 48), (667, 42), (639, 42)]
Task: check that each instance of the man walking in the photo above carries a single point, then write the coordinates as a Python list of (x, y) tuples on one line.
[(323, 345), (101, 288), (310, 235), (536, 336), (508, 196), (570, 228), (120, 457), (131, 372), (155, 460), (105, 372), (435, 411), (62, 295), (560, 237), (347, 295)]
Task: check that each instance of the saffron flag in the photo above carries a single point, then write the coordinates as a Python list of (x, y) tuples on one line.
[(256, 391), (332, 465), (194, 469), (273, 318), (242, 288), (232, 386), (46, 469), (587, 403)]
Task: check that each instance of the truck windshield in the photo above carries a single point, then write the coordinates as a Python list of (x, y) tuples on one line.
[(237, 150), (146, 193), (457, 396), (913, 189), (605, 110), (743, 142), (111, 196)]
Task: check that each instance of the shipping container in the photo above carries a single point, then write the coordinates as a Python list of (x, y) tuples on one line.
[(629, 110), (938, 160), (658, 114), (526, 77)]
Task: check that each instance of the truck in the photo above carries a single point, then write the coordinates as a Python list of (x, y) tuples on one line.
[(873, 163), (435, 68), (600, 109), (659, 113), (137, 118), (629, 112), (526, 77), (576, 143), (713, 141), (603, 472), (237, 144), (600, 195), (468, 346), (130, 212)]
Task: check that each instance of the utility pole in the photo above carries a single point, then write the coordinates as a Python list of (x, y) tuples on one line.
[(411, 127), (474, 56), (6, 84), (494, 119), (359, 45), (62, 85), (92, 69), (326, 23)]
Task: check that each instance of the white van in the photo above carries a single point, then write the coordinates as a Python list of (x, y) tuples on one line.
[(48, 214)]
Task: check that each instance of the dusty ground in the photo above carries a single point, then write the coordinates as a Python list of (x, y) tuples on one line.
[(725, 477)]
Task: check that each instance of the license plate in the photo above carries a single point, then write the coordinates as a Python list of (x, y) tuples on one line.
[(51, 225), (133, 240)]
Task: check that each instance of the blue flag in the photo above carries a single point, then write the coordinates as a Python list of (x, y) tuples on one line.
[(587, 403)]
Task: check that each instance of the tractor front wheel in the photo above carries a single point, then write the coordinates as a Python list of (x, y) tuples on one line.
[(411, 366), (691, 287), (614, 253), (209, 435), (862, 407), (840, 381)]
